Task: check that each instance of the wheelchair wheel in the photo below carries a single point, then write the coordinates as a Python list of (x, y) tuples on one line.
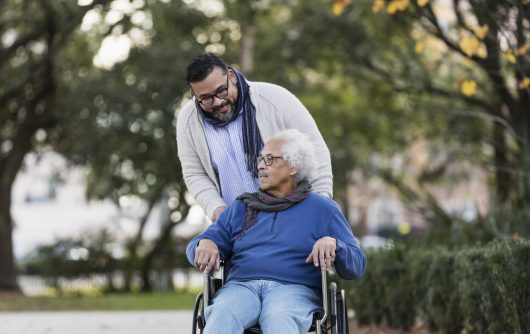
[(198, 320), (342, 313)]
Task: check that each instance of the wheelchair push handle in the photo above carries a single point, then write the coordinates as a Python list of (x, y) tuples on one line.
[(206, 288), (324, 301)]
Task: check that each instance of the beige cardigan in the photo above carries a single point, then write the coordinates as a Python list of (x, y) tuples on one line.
[(276, 110)]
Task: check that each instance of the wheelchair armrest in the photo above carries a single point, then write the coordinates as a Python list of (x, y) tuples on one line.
[(211, 284)]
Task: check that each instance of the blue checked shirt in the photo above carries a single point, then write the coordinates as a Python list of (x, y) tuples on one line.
[(228, 159)]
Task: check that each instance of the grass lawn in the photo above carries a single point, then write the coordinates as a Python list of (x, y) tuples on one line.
[(107, 302)]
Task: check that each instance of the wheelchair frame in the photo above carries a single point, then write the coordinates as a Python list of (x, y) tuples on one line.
[(333, 320)]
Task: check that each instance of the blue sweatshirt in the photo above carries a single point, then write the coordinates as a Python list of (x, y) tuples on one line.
[(276, 247)]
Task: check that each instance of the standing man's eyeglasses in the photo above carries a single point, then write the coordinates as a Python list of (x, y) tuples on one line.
[(221, 93), (268, 159)]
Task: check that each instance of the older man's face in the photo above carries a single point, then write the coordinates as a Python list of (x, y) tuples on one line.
[(278, 178), (217, 94)]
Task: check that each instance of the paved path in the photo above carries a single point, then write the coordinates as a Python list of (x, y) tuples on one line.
[(115, 322)]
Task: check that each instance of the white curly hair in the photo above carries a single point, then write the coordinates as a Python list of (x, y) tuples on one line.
[(298, 152)]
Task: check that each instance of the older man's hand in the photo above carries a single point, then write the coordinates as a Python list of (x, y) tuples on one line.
[(207, 256), (323, 253)]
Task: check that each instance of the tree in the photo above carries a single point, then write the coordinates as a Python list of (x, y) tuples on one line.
[(36, 34), (123, 128), (486, 44), (413, 86)]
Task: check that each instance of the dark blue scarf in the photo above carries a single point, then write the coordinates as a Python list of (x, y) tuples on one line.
[(252, 142)]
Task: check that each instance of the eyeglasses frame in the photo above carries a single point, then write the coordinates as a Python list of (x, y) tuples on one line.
[(214, 95), (268, 160)]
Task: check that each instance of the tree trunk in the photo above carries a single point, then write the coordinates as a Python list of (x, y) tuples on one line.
[(132, 260), (8, 275), (163, 239), (503, 178), (246, 15), (246, 58), (9, 167)]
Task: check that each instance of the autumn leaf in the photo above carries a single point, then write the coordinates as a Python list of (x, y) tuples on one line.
[(469, 87), (481, 32), (470, 45), (522, 50), (378, 5), (420, 46), (524, 83), (510, 57), (422, 3), (339, 5), (403, 4), (397, 5)]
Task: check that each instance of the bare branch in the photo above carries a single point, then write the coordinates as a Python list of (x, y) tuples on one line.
[(459, 17), (438, 32), (24, 40), (423, 86)]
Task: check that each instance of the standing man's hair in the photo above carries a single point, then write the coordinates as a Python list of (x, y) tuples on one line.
[(203, 64)]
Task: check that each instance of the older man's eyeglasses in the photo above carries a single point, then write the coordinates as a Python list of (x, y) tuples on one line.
[(268, 159), (221, 93)]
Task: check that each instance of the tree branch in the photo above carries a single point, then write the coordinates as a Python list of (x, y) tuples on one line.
[(424, 86), (459, 17), (438, 32)]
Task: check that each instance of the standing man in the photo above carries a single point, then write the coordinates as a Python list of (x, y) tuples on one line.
[(221, 131)]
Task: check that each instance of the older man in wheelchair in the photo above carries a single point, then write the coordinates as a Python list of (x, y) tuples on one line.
[(278, 240)]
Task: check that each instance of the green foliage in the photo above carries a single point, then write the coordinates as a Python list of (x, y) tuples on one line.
[(384, 294), (122, 127), (72, 257), (438, 303), (482, 289), (494, 288)]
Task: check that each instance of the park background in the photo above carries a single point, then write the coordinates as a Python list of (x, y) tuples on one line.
[(425, 106)]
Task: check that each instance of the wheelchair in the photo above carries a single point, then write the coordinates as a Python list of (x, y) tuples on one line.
[(333, 318)]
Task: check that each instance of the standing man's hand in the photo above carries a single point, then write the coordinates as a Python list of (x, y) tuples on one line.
[(323, 253), (217, 212), (207, 256)]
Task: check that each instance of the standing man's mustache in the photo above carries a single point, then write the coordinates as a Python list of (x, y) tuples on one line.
[(221, 106)]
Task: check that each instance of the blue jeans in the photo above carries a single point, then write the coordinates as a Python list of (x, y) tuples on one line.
[(278, 308)]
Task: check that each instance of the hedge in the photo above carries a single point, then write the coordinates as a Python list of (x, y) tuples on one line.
[(482, 289)]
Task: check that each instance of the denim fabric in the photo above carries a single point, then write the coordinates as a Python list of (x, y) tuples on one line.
[(278, 308)]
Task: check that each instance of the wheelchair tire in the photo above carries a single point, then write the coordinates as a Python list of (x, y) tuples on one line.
[(197, 319), (342, 313)]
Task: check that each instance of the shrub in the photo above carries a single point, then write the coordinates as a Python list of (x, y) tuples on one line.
[(480, 289), (375, 297), (494, 287)]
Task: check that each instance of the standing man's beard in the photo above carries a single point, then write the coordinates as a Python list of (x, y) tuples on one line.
[(226, 117)]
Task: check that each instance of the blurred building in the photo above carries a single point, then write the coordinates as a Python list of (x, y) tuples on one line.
[(377, 208), (49, 202)]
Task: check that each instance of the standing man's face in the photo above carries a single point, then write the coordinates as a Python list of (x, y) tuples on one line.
[(217, 94)]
